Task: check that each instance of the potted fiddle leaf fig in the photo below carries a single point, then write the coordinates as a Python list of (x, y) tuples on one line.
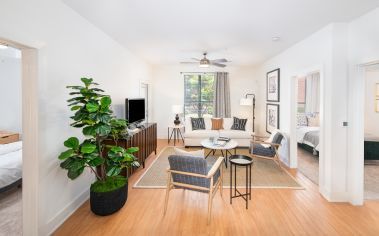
[(94, 116)]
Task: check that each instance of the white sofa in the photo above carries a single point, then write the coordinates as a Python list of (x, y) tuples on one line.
[(194, 137)]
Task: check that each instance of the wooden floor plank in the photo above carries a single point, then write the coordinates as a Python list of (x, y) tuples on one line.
[(271, 212)]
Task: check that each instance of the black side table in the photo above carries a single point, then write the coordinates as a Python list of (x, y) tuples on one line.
[(240, 160), (176, 132)]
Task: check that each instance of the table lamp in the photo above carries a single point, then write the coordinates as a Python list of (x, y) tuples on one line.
[(177, 109)]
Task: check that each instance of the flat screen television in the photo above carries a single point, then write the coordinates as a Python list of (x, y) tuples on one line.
[(135, 110)]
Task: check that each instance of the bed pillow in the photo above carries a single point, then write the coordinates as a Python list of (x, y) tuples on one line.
[(239, 124), (10, 147), (197, 153), (301, 119), (197, 123), (314, 121)]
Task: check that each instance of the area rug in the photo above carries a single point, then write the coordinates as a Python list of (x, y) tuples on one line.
[(265, 173)]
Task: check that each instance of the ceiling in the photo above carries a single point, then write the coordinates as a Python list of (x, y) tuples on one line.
[(170, 31)]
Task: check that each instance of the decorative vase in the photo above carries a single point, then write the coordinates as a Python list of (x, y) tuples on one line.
[(107, 203)]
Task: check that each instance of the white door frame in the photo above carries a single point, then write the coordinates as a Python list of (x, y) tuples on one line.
[(356, 132), (293, 133), (29, 84)]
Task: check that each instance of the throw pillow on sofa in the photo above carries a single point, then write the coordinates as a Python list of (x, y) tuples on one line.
[(197, 153), (197, 123), (239, 124), (217, 123)]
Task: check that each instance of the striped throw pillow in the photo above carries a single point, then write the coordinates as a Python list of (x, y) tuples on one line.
[(197, 123), (238, 124), (217, 123)]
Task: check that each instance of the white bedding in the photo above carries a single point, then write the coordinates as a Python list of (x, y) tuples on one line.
[(371, 137), (10, 168), (302, 131)]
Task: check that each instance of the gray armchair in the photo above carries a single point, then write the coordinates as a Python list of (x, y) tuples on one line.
[(270, 152), (194, 173)]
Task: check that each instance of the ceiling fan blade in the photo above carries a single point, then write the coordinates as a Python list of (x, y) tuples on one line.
[(221, 60), (195, 59), (218, 64), (188, 62)]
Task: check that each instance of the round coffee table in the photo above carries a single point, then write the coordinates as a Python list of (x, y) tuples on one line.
[(225, 149)]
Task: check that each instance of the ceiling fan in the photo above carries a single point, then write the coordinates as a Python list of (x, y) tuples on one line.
[(205, 62)]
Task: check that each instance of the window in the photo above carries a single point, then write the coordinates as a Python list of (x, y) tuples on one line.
[(301, 95), (198, 94)]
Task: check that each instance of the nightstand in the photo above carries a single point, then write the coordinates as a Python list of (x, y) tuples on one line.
[(8, 137)]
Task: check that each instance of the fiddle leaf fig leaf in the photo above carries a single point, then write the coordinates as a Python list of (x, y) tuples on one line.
[(105, 102), (92, 107), (103, 130), (72, 142), (88, 148), (113, 171), (87, 81), (90, 131), (132, 149), (66, 154)]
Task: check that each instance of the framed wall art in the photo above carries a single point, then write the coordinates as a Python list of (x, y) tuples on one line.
[(273, 85), (272, 117)]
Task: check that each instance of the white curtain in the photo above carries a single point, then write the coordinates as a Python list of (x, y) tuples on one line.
[(312, 100), (221, 102)]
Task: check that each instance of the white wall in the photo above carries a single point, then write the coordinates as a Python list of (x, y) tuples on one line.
[(324, 51), (69, 47), (363, 48), (168, 90), (10, 90), (371, 116)]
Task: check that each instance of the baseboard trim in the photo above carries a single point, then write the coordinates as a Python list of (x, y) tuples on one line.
[(64, 214), (334, 196)]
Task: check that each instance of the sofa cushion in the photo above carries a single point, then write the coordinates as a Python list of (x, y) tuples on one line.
[(235, 134), (217, 123), (238, 124), (258, 149), (197, 123), (201, 133)]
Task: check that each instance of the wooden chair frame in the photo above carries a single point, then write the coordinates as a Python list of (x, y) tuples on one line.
[(258, 140), (211, 190)]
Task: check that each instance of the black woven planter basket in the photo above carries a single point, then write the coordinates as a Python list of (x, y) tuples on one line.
[(107, 203)]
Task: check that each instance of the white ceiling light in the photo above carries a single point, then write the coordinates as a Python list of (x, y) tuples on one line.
[(276, 39)]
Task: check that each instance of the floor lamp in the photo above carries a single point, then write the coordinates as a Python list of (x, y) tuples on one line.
[(249, 102)]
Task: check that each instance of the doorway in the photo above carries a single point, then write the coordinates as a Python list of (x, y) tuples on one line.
[(308, 125), (29, 110), (371, 133), (10, 141)]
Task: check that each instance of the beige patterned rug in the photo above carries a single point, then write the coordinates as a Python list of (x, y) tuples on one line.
[(265, 173)]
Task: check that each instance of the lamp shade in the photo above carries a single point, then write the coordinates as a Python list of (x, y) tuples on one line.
[(177, 109), (246, 102)]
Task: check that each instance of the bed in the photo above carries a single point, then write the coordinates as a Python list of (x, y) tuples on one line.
[(371, 147), (10, 165), (308, 137)]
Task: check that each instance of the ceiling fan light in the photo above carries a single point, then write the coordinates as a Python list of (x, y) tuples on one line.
[(204, 62)]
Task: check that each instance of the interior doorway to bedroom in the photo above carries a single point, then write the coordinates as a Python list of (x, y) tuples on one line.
[(10, 140), (371, 133), (308, 125)]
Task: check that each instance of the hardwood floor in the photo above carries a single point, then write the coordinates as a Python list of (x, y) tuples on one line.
[(271, 212)]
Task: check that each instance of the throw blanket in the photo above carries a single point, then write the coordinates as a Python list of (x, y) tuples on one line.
[(313, 138)]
